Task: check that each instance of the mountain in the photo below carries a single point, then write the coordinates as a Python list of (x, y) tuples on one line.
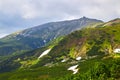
[(39, 36), (86, 54), (87, 43)]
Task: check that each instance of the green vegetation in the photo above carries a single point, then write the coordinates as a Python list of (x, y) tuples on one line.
[(93, 69), (24, 59), (88, 42), (95, 45), (99, 70), (40, 73)]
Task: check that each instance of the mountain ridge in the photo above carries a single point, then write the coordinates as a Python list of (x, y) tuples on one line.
[(39, 36), (89, 53)]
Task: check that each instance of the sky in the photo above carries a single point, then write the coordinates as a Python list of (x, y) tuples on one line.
[(17, 15)]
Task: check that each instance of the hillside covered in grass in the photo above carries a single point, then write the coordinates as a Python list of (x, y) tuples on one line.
[(94, 52), (88, 43)]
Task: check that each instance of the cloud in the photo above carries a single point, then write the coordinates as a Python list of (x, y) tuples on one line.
[(20, 14), (24, 9), (32, 9), (28, 12)]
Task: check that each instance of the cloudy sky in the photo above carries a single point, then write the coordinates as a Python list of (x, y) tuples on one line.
[(16, 15)]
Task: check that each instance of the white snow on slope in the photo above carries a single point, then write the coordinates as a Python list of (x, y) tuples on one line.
[(116, 51), (78, 58), (74, 69), (63, 60), (44, 53)]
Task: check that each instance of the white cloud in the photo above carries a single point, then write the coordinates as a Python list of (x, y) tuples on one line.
[(23, 13), (28, 12), (24, 9), (31, 9)]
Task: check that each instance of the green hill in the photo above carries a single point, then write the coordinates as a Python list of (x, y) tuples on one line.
[(95, 51), (87, 43)]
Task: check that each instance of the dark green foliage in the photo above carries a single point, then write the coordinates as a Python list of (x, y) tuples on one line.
[(10, 63), (99, 71), (92, 69), (41, 73)]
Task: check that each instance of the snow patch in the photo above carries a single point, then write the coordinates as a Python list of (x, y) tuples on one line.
[(63, 60), (116, 51), (74, 69), (78, 58), (44, 53), (44, 41)]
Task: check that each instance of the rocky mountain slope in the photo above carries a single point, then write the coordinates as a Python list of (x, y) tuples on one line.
[(90, 53), (39, 36)]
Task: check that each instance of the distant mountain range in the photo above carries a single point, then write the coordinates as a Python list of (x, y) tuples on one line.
[(39, 36)]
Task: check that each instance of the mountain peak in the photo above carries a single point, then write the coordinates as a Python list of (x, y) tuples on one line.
[(84, 18), (39, 36)]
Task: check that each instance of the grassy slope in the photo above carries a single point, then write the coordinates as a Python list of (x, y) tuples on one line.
[(24, 59), (88, 42), (60, 71)]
